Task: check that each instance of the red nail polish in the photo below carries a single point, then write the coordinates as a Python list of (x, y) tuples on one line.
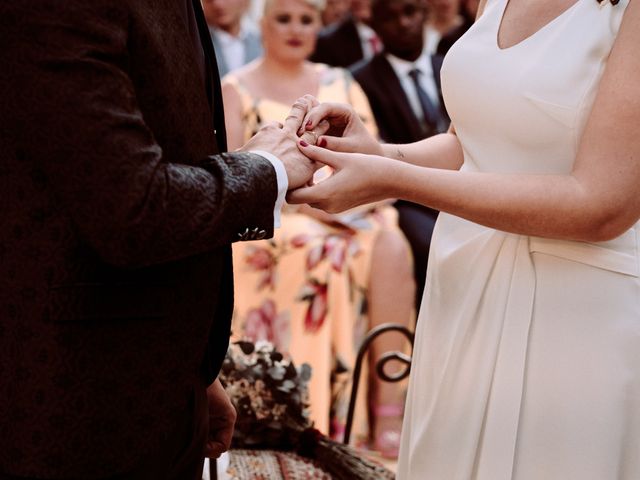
[(322, 143), (303, 143), (308, 124)]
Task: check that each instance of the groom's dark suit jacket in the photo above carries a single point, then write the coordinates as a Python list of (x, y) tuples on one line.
[(398, 124), (118, 211)]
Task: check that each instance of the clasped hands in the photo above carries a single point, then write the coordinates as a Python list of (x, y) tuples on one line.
[(315, 135)]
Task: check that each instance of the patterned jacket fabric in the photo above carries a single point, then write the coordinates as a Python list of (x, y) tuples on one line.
[(118, 211)]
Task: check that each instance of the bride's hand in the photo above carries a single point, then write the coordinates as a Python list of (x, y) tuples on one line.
[(310, 135), (357, 179), (346, 131)]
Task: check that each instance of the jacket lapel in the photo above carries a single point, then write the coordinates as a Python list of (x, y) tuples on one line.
[(214, 91), (400, 103), (217, 47), (351, 45)]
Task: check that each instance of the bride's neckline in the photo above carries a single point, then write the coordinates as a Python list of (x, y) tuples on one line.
[(532, 35)]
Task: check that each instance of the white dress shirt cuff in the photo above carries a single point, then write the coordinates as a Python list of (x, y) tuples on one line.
[(283, 183)]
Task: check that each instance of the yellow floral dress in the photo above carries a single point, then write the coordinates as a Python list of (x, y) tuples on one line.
[(304, 289)]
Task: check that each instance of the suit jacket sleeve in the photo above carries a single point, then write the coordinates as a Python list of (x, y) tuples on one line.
[(130, 202)]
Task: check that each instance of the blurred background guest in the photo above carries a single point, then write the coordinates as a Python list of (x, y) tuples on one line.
[(469, 9), (344, 43), (403, 88), (306, 289), (235, 38), (335, 11), (443, 17)]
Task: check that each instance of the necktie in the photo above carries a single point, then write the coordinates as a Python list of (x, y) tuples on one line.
[(431, 115)]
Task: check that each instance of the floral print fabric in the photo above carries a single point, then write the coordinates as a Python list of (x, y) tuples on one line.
[(304, 290)]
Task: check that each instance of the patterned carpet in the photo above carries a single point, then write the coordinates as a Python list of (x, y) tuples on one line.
[(276, 465)]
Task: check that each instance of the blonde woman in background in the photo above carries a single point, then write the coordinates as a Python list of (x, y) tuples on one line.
[(305, 289)]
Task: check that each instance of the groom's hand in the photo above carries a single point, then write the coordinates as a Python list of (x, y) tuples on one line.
[(222, 418), (281, 140)]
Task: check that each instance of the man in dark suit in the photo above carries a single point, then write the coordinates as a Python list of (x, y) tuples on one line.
[(119, 208), (348, 41), (403, 88)]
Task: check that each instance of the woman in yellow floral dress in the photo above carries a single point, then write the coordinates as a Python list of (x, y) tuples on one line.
[(323, 280)]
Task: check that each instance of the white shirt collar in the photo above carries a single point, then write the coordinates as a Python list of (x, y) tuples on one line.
[(365, 31), (403, 67), (427, 81), (366, 34)]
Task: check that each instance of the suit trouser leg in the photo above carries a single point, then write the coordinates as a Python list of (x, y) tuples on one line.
[(181, 458), (417, 223)]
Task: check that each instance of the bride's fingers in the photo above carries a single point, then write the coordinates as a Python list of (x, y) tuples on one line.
[(338, 144), (323, 127), (335, 113), (309, 101), (313, 195), (312, 136), (320, 155)]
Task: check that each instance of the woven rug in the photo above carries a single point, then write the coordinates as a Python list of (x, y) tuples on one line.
[(272, 465)]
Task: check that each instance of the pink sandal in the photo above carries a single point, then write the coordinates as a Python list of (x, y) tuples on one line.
[(387, 442)]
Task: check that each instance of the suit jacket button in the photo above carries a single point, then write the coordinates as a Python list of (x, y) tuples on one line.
[(261, 234)]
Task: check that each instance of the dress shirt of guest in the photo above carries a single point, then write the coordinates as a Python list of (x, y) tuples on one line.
[(432, 38), (234, 49), (403, 67), (235, 41), (371, 43)]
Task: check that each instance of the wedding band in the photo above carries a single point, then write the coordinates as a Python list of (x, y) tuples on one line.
[(315, 136)]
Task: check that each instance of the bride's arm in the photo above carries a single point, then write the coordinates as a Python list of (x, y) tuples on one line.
[(348, 134), (597, 201), (439, 151)]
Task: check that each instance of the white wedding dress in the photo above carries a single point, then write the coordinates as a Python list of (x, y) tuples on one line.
[(527, 353)]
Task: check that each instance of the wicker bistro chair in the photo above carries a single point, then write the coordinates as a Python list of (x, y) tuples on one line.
[(402, 358)]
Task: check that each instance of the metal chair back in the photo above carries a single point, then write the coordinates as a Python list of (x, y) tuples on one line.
[(386, 357)]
